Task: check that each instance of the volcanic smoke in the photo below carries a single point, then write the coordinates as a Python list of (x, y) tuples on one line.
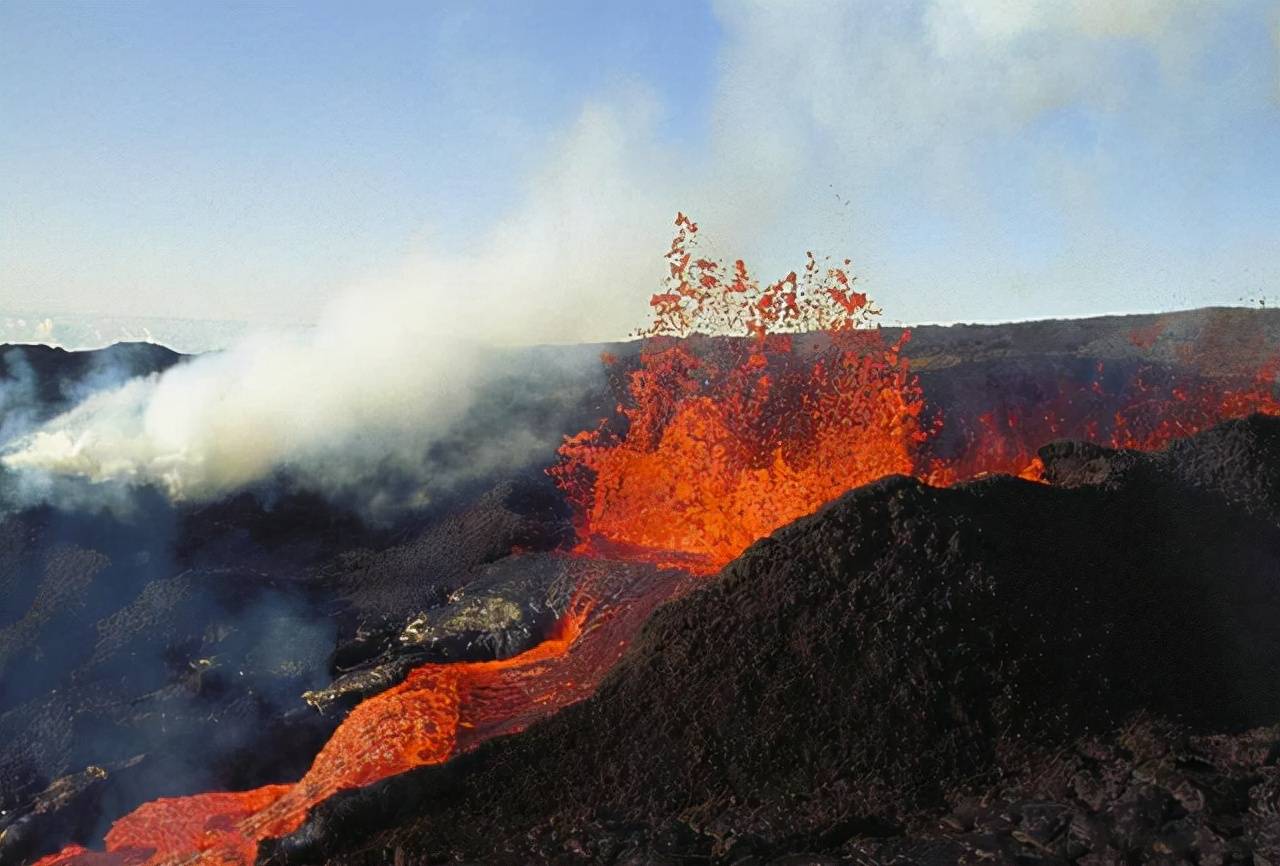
[(750, 404)]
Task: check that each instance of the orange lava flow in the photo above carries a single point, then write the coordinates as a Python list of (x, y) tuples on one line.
[(439, 711), (1144, 412), (718, 442), (728, 427), (723, 446)]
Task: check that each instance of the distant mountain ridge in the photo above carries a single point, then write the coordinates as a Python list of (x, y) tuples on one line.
[(81, 332), (1112, 334)]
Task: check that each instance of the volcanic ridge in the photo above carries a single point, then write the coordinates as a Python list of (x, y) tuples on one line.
[(945, 663), (1001, 672)]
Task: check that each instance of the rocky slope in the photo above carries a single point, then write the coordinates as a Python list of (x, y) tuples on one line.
[(169, 650), (1000, 672)]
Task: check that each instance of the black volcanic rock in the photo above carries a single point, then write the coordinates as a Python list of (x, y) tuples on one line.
[(403, 579), (168, 650), (500, 609), (41, 381), (174, 687), (1035, 672), (1150, 793), (1228, 462)]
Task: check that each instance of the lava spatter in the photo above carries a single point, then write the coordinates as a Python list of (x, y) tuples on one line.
[(725, 440), (753, 404)]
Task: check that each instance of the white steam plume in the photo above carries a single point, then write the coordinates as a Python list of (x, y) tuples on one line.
[(223, 421), (394, 364)]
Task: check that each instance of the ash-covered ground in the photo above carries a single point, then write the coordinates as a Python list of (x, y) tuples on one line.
[(1008, 672)]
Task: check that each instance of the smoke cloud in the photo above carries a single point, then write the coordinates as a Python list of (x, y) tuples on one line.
[(355, 391), (395, 364)]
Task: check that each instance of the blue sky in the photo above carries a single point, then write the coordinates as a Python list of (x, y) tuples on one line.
[(153, 152), (979, 159)]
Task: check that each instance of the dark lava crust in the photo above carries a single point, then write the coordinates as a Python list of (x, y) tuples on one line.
[(1002, 672), (177, 650)]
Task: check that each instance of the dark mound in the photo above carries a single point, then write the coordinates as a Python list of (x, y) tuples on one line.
[(42, 380), (1039, 666)]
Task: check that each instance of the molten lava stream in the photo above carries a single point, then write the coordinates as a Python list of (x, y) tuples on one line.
[(717, 442), (439, 711), (727, 428), (721, 441)]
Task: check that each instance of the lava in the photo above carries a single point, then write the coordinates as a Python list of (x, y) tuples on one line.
[(439, 711), (728, 427), (722, 446), (1143, 410)]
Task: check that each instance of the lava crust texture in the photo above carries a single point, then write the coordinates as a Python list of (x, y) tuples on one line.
[(999, 672)]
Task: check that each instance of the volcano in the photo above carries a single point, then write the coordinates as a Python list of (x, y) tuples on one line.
[(778, 583), (1003, 671)]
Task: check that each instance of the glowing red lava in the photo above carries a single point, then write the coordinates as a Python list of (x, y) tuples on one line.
[(721, 441), (724, 445), (439, 711), (727, 430)]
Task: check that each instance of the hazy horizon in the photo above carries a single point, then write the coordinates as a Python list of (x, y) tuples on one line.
[(198, 336)]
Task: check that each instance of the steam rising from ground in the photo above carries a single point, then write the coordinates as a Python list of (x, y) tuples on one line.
[(332, 409), (394, 364), (399, 360)]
